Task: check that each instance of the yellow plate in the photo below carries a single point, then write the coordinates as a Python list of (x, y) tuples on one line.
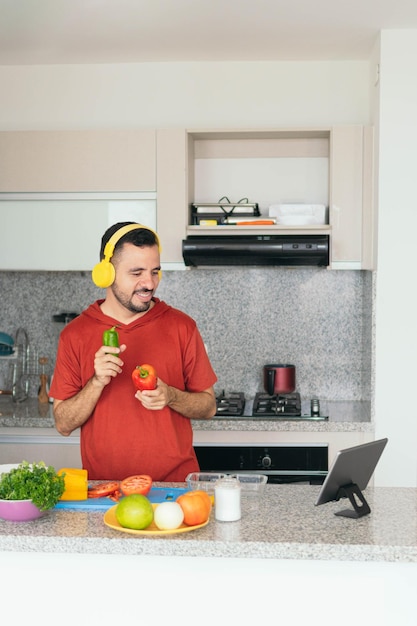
[(152, 530)]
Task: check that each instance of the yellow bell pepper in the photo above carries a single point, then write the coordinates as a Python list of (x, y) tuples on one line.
[(76, 483)]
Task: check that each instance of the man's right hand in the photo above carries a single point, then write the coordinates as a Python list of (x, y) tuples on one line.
[(106, 364)]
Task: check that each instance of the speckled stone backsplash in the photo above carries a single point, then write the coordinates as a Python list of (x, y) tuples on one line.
[(321, 321)]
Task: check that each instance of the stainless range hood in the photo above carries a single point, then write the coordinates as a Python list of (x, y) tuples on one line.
[(259, 250)]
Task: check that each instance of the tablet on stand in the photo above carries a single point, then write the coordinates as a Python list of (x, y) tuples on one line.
[(349, 475)]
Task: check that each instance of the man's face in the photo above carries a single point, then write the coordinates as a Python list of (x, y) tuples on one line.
[(137, 276)]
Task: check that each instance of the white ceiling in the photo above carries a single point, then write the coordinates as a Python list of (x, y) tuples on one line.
[(132, 31)]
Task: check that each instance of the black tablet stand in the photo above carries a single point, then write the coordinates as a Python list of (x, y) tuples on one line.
[(353, 492)]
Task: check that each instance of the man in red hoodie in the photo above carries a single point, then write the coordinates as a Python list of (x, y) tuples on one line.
[(124, 431)]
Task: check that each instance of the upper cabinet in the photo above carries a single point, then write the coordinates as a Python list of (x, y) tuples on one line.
[(172, 194), (60, 190), (62, 232), (155, 176), (78, 161), (351, 207), (330, 166)]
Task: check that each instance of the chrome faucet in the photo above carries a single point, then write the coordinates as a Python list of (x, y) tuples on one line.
[(22, 343)]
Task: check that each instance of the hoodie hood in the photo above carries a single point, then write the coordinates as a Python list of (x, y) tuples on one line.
[(94, 312)]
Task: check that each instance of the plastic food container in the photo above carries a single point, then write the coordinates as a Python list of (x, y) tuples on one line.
[(203, 480), (251, 484)]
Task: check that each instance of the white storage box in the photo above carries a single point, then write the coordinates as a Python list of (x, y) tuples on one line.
[(299, 214)]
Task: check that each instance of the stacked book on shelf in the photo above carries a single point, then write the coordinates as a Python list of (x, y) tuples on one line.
[(222, 213)]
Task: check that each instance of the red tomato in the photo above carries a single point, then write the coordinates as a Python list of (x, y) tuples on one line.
[(103, 489), (116, 495), (140, 484), (196, 506), (144, 377)]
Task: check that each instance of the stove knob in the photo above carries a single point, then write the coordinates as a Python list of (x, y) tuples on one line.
[(266, 461), (315, 407)]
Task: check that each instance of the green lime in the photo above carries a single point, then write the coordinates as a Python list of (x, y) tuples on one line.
[(134, 511)]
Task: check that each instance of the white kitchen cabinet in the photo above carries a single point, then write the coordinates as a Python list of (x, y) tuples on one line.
[(40, 444), (331, 166), (62, 232), (45, 444), (336, 440), (60, 190), (351, 208), (172, 194), (78, 161), (66, 187), (175, 168)]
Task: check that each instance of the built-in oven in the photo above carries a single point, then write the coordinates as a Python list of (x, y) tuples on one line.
[(281, 463)]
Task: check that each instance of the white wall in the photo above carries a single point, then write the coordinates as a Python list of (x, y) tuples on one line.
[(396, 311), (183, 94)]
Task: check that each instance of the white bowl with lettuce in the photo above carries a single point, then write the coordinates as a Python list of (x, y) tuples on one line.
[(28, 490)]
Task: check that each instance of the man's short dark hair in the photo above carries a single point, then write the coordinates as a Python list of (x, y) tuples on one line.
[(138, 236)]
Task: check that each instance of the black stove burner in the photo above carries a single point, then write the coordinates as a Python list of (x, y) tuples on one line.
[(280, 405), (232, 404), (285, 406)]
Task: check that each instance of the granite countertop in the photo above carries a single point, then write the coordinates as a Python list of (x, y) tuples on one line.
[(342, 417), (283, 524)]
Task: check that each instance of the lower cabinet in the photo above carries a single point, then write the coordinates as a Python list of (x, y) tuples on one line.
[(335, 441), (45, 444), (39, 444)]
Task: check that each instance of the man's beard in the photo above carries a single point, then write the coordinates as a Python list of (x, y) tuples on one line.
[(127, 302)]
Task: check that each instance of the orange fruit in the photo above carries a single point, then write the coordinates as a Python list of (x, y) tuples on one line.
[(196, 506)]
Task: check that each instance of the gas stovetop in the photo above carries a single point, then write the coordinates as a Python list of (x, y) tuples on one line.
[(284, 406), (231, 404), (279, 405)]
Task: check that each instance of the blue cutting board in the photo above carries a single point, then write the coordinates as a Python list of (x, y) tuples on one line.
[(156, 495)]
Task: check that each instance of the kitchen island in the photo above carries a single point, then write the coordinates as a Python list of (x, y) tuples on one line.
[(285, 556)]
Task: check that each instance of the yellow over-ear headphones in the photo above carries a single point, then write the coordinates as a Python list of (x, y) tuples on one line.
[(103, 273)]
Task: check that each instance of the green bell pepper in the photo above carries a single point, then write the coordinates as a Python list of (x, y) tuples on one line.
[(111, 338)]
